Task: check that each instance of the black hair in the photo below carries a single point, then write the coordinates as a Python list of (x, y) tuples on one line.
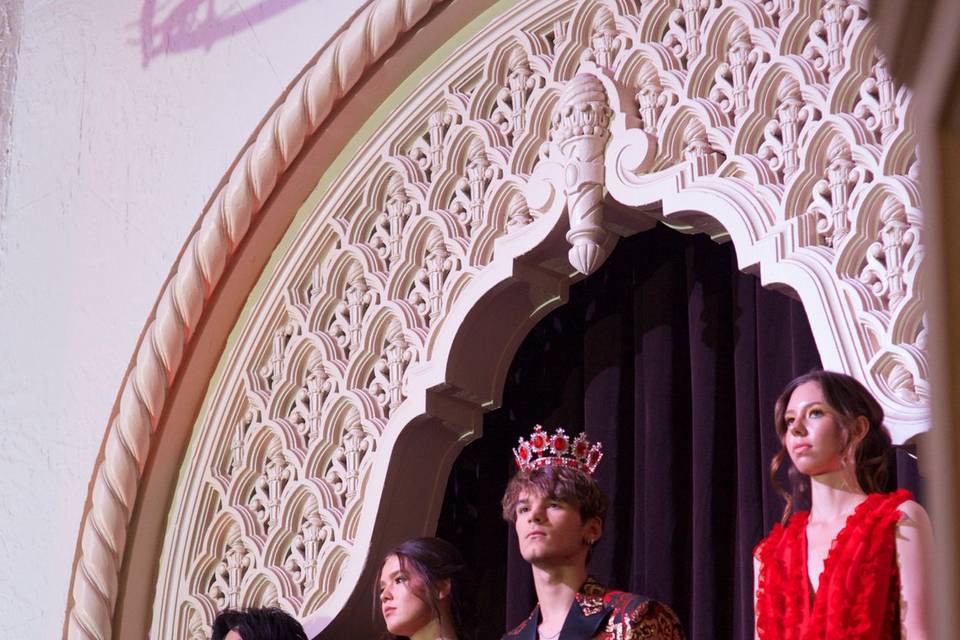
[(258, 624)]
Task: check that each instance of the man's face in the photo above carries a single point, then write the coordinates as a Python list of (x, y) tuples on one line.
[(232, 635), (551, 531)]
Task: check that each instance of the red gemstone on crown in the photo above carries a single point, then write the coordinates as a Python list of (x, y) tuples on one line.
[(538, 439), (559, 442)]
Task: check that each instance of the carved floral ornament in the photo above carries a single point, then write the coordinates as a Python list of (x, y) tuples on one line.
[(771, 123)]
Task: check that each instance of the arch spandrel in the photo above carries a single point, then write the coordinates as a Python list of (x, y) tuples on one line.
[(375, 352)]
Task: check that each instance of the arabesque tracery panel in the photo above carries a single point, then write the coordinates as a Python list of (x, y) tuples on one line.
[(772, 123)]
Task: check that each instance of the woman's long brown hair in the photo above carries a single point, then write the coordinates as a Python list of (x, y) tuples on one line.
[(850, 400)]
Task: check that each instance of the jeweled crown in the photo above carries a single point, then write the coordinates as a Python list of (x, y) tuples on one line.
[(543, 449)]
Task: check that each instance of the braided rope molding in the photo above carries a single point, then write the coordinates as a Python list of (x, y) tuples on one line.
[(182, 302)]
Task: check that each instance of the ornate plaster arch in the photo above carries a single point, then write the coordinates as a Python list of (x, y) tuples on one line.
[(181, 311), (386, 329)]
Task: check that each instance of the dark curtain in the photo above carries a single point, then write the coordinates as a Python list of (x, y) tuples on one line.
[(672, 358)]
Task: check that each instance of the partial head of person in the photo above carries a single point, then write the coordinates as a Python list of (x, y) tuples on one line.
[(828, 422), (256, 624), (553, 501), (424, 585)]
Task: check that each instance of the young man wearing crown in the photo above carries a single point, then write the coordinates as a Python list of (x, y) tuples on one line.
[(557, 510)]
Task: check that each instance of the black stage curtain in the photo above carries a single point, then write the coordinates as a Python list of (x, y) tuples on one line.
[(672, 358)]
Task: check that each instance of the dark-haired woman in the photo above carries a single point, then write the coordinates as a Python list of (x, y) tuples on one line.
[(853, 566), (422, 590)]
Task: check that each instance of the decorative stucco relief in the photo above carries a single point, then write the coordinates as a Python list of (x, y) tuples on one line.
[(773, 124), (785, 127)]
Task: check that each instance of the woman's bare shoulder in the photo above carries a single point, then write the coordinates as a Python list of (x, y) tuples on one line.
[(912, 510)]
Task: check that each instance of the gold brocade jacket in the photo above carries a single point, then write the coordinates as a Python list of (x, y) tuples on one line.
[(601, 614)]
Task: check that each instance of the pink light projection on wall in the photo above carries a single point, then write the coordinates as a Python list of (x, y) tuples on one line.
[(175, 26)]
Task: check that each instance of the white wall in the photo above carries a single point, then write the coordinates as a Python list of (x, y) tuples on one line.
[(111, 157)]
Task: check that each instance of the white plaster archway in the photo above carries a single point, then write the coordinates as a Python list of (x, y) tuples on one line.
[(385, 330)]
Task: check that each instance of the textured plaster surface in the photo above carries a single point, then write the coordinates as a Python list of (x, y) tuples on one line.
[(115, 144), (10, 12)]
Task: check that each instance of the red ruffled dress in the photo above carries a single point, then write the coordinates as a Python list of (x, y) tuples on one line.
[(858, 596)]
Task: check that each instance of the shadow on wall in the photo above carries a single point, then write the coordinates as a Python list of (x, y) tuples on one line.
[(175, 26)]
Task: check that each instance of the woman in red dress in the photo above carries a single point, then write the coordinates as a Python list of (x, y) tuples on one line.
[(853, 566)]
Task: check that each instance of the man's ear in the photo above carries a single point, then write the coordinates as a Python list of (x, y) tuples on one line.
[(444, 587), (593, 529)]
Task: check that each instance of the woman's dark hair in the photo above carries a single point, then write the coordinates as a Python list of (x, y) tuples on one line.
[(430, 561), (258, 624), (850, 400)]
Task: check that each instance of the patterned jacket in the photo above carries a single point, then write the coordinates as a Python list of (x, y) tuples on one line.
[(601, 614)]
